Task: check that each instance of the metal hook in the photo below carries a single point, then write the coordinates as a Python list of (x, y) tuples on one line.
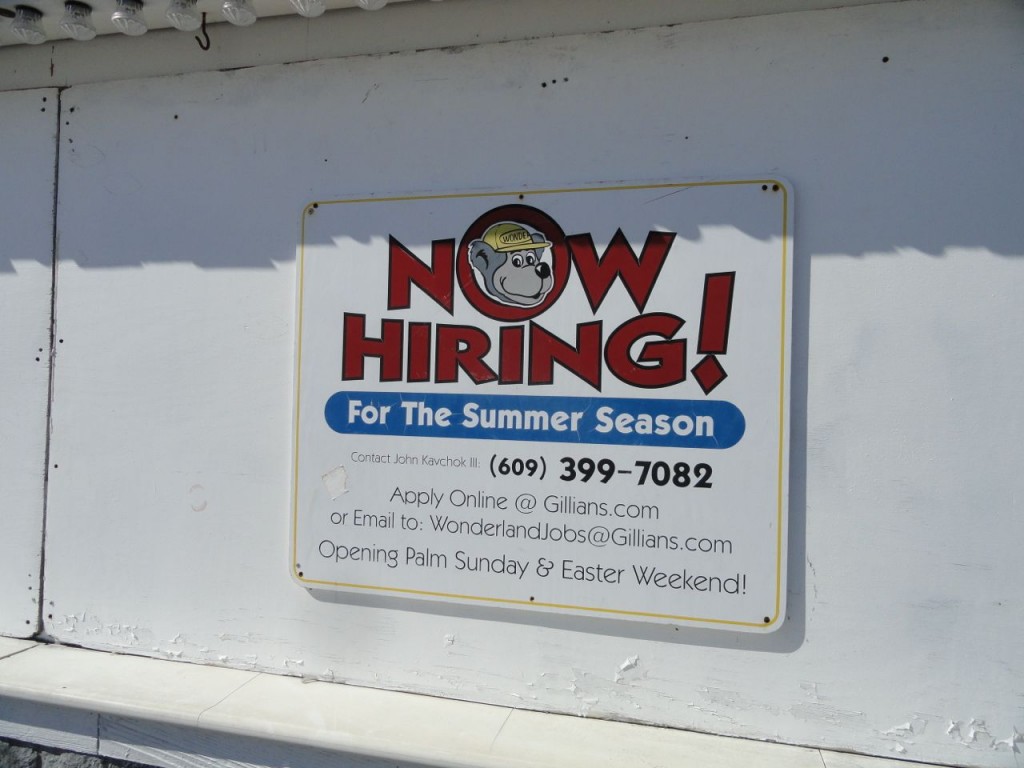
[(205, 36)]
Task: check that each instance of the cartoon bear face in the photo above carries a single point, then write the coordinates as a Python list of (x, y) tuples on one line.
[(510, 261)]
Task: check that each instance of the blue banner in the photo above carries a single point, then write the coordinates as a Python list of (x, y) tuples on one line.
[(603, 421)]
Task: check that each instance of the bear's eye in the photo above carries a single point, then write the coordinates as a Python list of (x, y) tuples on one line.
[(531, 259), (517, 260)]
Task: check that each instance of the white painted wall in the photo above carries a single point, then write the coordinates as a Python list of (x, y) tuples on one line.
[(28, 129), (179, 199)]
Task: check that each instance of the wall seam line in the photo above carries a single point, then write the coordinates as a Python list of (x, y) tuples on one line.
[(41, 633)]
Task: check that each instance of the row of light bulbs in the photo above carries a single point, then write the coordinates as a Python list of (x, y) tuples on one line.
[(127, 19)]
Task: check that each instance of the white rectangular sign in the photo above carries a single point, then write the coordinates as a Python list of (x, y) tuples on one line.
[(568, 400)]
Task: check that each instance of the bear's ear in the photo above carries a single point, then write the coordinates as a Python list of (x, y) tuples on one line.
[(478, 255)]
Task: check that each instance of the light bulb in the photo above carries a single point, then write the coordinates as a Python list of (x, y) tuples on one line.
[(26, 26), (77, 21), (238, 12), (372, 5), (183, 15), (309, 8), (127, 19)]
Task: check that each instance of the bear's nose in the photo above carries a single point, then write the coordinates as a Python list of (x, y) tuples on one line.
[(543, 271)]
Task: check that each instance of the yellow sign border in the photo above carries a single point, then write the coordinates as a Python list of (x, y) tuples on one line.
[(784, 319)]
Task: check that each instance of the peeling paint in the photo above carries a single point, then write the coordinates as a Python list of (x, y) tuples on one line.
[(449, 640), (730, 699), (336, 482), (816, 710), (906, 729), (974, 729), (1010, 741), (584, 702), (975, 732), (626, 666), (247, 637), (117, 634), (123, 632)]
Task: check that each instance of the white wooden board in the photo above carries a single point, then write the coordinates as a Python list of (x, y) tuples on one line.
[(28, 143), (179, 221)]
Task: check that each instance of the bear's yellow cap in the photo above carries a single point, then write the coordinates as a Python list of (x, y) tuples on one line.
[(508, 236)]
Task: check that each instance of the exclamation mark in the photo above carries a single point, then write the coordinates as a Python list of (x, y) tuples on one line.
[(713, 339)]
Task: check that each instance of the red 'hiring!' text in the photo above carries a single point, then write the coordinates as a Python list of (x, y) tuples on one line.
[(528, 352)]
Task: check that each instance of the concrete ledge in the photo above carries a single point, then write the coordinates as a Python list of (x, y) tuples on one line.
[(173, 714)]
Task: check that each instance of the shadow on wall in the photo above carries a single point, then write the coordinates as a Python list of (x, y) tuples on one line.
[(214, 169)]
